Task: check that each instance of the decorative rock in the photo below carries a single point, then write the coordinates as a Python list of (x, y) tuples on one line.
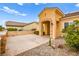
[(60, 46)]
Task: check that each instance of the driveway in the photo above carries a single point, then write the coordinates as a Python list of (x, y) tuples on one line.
[(19, 44)]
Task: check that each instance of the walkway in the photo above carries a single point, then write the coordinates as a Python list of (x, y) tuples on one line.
[(19, 44)]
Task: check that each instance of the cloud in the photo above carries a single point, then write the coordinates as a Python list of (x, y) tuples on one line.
[(77, 5), (36, 3), (21, 4), (12, 11), (40, 3)]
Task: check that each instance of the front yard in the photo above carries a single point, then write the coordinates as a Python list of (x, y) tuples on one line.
[(34, 45), (45, 50)]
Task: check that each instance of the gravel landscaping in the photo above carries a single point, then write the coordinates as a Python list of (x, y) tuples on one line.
[(45, 50)]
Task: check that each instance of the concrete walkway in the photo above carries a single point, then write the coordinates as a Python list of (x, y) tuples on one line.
[(19, 44)]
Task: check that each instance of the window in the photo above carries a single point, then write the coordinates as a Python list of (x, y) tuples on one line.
[(71, 23), (66, 24)]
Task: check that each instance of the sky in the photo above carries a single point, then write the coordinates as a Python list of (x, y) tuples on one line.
[(28, 12)]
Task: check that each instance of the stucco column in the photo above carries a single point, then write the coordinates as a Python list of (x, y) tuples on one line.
[(41, 29), (53, 28), (46, 28)]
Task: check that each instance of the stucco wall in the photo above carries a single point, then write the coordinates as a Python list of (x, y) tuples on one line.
[(16, 33), (68, 19), (31, 26), (54, 16)]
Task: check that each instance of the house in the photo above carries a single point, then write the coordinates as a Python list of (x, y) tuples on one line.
[(22, 26), (17, 25), (31, 26), (53, 20)]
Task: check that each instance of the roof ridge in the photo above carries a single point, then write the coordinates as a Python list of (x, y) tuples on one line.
[(16, 22)]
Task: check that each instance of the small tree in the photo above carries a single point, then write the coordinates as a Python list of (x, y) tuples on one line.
[(72, 35)]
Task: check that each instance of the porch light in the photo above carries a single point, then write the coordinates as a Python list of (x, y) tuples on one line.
[(51, 23)]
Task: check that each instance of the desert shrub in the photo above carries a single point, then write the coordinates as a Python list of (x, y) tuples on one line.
[(12, 29), (36, 32), (50, 41), (33, 29), (20, 30), (72, 35)]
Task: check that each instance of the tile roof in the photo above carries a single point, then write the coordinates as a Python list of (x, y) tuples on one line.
[(18, 24), (71, 14), (13, 23)]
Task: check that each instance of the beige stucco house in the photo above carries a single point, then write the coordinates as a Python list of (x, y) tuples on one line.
[(17, 25), (53, 20), (23, 26)]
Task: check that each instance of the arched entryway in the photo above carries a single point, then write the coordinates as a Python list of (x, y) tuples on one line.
[(50, 22), (46, 27)]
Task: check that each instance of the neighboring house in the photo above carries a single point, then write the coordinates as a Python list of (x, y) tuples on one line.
[(53, 20), (31, 26), (13, 24)]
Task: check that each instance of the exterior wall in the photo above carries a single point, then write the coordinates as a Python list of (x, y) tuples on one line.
[(69, 20), (58, 18), (16, 33), (47, 15), (31, 26), (52, 15)]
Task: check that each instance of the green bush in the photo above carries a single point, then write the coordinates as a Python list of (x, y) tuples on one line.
[(12, 29), (72, 35), (36, 32), (20, 30), (33, 29)]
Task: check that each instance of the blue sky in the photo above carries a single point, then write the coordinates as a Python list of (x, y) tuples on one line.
[(28, 12)]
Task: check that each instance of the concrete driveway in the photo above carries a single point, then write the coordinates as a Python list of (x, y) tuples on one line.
[(19, 44)]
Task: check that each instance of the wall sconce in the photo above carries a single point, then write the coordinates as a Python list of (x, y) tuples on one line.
[(51, 23)]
